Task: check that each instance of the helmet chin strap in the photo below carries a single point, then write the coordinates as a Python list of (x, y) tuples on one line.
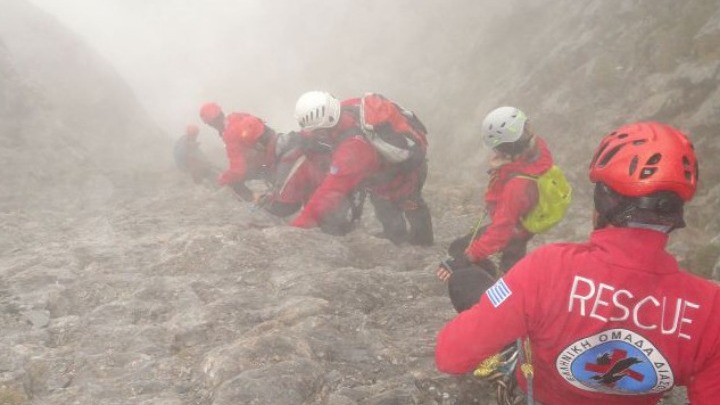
[(661, 211), (654, 227)]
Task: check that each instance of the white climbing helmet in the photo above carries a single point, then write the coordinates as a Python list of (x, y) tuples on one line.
[(503, 125), (317, 109)]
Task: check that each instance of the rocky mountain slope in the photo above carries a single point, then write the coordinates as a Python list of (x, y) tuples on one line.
[(123, 283)]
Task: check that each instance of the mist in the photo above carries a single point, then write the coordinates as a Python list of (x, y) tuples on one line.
[(259, 56), (123, 282)]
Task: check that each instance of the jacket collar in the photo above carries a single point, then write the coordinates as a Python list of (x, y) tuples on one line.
[(533, 166), (635, 248)]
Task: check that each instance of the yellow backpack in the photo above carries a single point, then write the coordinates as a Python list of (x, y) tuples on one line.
[(554, 197)]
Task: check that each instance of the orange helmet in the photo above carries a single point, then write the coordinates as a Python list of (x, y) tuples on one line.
[(244, 127), (210, 112), (644, 158), (192, 130)]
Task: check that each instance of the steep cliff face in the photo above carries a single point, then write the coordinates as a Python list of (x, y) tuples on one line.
[(67, 116), (582, 69)]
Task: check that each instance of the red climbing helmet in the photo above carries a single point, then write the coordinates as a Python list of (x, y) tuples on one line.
[(210, 112), (192, 130), (644, 158)]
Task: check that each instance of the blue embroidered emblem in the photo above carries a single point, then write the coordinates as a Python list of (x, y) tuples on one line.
[(616, 361)]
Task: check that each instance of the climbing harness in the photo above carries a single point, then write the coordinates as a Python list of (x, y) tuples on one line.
[(499, 369)]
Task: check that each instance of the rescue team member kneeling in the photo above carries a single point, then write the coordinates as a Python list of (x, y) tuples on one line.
[(240, 133), (613, 320), (256, 152), (395, 190)]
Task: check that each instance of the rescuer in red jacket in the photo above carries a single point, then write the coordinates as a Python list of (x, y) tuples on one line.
[(517, 151), (246, 139), (212, 114), (395, 189), (255, 151), (613, 320)]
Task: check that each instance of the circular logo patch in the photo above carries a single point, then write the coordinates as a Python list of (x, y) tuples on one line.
[(616, 361)]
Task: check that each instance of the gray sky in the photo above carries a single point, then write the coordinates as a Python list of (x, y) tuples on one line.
[(175, 54), (258, 56)]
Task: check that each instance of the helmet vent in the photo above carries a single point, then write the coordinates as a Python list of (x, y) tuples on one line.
[(633, 165), (609, 155), (599, 152), (647, 172), (654, 159), (622, 136), (639, 142), (688, 170)]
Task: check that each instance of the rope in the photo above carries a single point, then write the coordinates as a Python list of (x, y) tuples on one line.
[(476, 228), (526, 367)]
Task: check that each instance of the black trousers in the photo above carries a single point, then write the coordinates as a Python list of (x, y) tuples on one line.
[(413, 213), (513, 252)]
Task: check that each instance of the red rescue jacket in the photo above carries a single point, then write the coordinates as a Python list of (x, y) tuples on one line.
[(354, 162), (507, 199), (297, 175), (610, 321), (245, 159)]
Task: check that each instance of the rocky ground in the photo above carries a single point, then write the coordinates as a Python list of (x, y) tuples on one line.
[(166, 293), (121, 282)]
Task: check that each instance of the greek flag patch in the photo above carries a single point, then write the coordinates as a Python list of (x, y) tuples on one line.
[(498, 293)]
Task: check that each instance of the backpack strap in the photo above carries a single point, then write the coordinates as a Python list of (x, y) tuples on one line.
[(354, 130), (524, 176)]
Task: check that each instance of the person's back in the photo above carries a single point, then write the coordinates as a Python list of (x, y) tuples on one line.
[(181, 151), (615, 315), (246, 138), (189, 158), (613, 320)]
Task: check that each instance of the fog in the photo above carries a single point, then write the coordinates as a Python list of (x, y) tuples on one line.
[(123, 282), (259, 56)]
